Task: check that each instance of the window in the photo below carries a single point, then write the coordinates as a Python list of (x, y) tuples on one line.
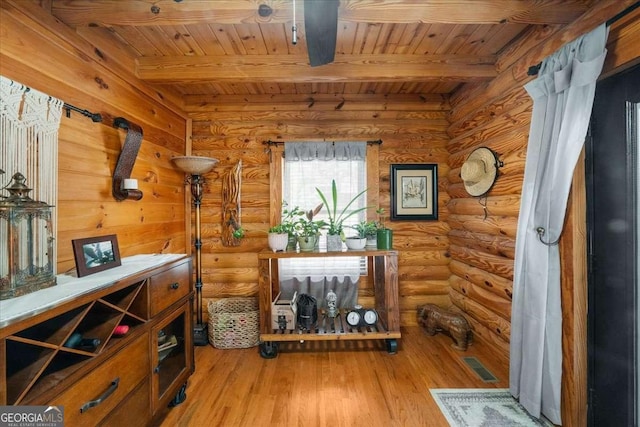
[(308, 166)]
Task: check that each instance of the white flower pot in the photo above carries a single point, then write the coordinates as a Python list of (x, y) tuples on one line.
[(356, 243), (372, 242), (278, 241)]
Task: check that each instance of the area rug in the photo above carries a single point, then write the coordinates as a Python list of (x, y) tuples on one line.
[(494, 407)]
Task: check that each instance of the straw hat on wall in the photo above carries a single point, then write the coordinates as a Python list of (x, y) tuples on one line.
[(480, 171)]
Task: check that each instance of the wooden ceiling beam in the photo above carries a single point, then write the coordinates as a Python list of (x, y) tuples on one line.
[(169, 12), (296, 69)]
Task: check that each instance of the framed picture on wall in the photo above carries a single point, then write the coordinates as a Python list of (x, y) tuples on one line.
[(95, 254), (414, 192)]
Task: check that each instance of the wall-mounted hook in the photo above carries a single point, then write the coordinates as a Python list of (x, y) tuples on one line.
[(541, 231)]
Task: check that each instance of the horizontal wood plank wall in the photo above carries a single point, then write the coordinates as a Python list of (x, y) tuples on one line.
[(40, 52), (413, 130)]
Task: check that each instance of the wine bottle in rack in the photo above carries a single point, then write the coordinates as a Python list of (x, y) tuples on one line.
[(89, 343)]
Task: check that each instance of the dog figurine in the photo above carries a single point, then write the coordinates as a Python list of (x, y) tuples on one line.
[(435, 319)]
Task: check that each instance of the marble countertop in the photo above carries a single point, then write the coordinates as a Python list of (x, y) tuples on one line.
[(69, 287)]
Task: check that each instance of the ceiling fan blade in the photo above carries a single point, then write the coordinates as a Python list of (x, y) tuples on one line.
[(321, 28)]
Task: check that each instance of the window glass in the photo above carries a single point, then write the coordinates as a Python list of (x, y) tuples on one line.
[(300, 180)]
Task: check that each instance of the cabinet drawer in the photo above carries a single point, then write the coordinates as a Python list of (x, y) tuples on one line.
[(129, 366), (134, 411), (168, 287)]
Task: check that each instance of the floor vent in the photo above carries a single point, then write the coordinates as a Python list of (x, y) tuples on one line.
[(479, 369)]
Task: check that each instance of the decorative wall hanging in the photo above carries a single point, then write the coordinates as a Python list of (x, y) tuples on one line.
[(231, 228), (95, 254), (480, 171), (123, 187), (29, 123), (414, 192)]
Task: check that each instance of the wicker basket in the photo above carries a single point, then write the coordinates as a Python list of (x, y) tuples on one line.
[(233, 323)]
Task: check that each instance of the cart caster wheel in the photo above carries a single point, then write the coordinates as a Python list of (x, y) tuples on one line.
[(268, 350), (180, 397), (392, 346)]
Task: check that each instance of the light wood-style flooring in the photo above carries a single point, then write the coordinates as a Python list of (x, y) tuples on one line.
[(331, 383)]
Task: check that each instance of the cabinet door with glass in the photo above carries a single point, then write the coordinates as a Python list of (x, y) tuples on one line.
[(172, 356)]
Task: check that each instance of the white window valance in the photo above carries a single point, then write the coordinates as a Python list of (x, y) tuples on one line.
[(308, 151)]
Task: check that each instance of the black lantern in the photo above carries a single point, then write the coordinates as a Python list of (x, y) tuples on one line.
[(26, 242)]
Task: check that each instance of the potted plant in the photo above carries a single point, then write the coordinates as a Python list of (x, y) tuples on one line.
[(384, 235), (371, 232), (335, 231), (307, 230), (286, 226), (358, 241), (278, 238)]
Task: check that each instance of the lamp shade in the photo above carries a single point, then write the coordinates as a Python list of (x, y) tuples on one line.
[(194, 165)]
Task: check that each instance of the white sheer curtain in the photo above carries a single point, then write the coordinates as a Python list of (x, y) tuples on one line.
[(311, 165), (29, 123), (562, 101)]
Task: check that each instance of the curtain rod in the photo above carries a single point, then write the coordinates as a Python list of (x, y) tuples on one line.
[(533, 70), (95, 117), (270, 142)]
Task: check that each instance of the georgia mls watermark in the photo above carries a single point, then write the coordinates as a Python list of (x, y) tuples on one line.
[(31, 416)]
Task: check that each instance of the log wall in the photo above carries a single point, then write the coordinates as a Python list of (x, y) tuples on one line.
[(40, 52), (412, 129), (465, 258), (483, 229), (498, 115), (482, 237)]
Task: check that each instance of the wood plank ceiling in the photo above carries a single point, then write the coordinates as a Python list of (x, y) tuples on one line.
[(384, 47)]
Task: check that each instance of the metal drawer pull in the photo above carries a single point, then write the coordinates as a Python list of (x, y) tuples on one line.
[(90, 404), (175, 285)]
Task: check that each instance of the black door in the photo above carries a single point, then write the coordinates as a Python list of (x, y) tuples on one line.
[(613, 227)]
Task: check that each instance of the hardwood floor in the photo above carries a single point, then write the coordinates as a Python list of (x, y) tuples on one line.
[(331, 383)]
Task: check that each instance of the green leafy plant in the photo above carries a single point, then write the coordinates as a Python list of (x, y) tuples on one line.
[(337, 218), (238, 233), (381, 217), (366, 228), (305, 225), (289, 219)]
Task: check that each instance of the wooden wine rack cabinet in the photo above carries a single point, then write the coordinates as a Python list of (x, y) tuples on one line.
[(122, 375)]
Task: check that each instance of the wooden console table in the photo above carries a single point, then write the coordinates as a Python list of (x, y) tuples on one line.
[(385, 282)]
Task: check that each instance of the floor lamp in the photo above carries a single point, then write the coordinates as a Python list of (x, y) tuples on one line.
[(195, 167)]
